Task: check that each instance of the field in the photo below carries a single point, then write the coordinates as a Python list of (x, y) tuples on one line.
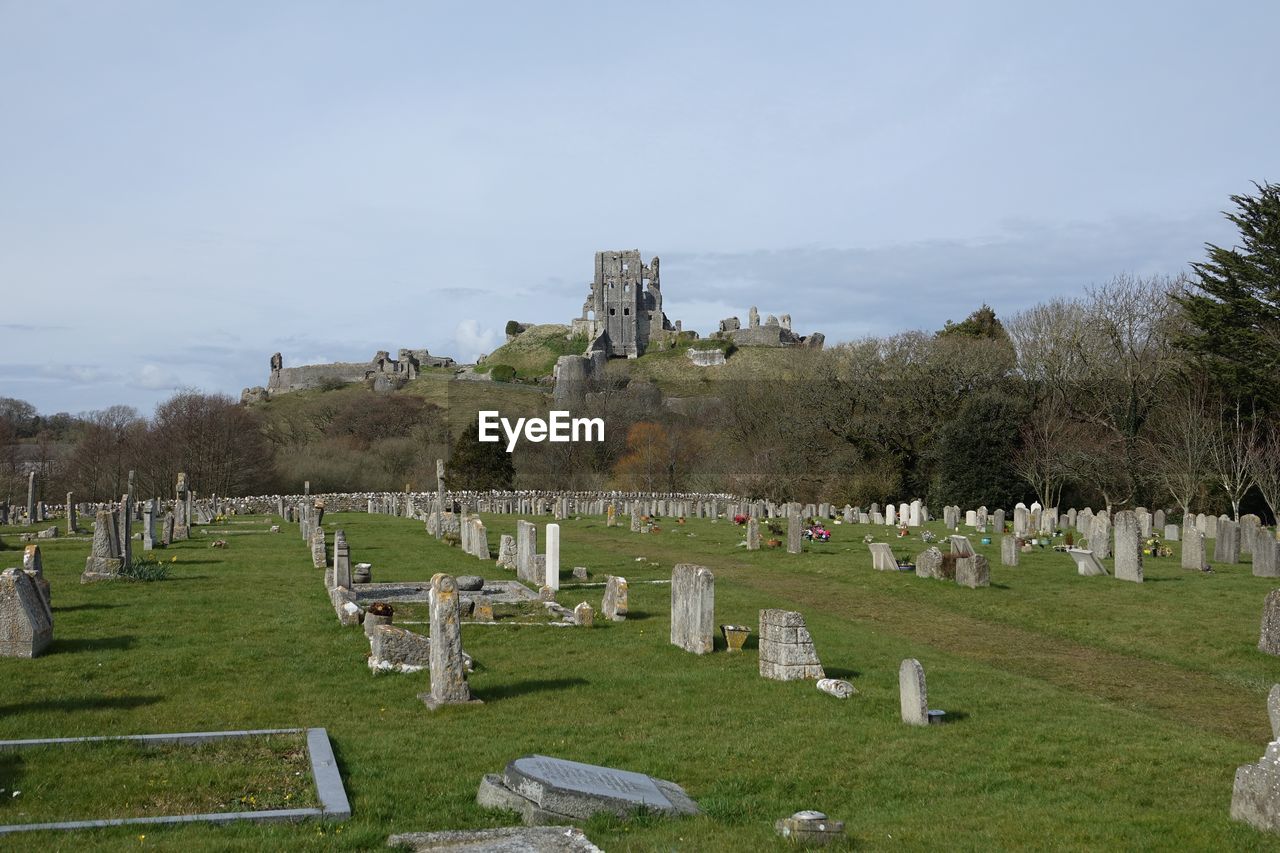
[(1085, 713)]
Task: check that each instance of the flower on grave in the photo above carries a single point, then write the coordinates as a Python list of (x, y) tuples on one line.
[(927, 536), (739, 519), (868, 539)]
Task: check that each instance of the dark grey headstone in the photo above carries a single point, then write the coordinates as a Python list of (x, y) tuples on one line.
[(581, 790)]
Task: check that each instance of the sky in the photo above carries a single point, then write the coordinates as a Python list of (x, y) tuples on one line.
[(187, 188)]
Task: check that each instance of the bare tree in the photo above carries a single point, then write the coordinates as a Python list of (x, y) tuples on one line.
[(1266, 465), (1177, 452), (1042, 460), (1232, 455)]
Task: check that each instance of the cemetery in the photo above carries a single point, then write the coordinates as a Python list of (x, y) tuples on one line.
[(551, 672)]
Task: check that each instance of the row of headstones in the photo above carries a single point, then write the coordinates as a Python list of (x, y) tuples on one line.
[(786, 649)]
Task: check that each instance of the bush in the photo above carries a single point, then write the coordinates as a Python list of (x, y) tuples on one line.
[(514, 327), (331, 383), (502, 372)]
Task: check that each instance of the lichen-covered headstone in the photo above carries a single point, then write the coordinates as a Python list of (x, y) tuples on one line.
[(1264, 555), (102, 563), (973, 572), (584, 616), (753, 534), (1128, 554), (507, 552), (693, 593), (795, 536), (1255, 795), (1226, 547), (929, 563), (26, 625), (614, 605), (448, 675), (1193, 556), (527, 552), (1269, 635)]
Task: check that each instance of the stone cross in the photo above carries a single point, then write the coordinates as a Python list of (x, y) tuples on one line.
[(448, 673)]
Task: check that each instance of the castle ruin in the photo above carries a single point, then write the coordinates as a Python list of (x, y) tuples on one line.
[(624, 308), (381, 373)]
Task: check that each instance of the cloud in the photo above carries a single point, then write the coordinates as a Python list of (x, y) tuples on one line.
[(155, 378), (472, 341)]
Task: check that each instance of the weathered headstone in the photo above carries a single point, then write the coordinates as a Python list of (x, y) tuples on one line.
[(1264, 556), (786, 648), (1255, 794), (544, 790), (692, 608), (439, 507), (1171, 533), (913, 695), (795, 537), (929, 564), (614, 606), (1100, 537), (1087, 565), (1269, 635), (1128, 557), (507, 552), (1009, 552), (1226, 548), (526, 553), (973, 571), (1193, 556), (584, 616), (26, 626), (103, 562), (882, 559), (448, 674), (753, 534)]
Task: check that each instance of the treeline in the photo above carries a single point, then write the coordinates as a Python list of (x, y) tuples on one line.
[(1158, 391)]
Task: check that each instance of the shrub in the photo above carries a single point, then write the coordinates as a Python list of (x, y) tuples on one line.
[(145, 569), (502, 372), (514, 327), (331, 383)]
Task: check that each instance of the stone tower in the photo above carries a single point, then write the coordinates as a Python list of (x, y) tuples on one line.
[(625, 304)]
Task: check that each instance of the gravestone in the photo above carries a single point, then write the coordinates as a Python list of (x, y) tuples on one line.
[(1226, 548), (1087, 565), (341, 559), (584, 616), (692, 608), (882, 559), (794, 527), (1255, 793), (1264, 556), (1128, 558), (913, 695), (1021, 521), (961, 546), (950, 517), (1009, 552), (1193, 556), (1269, 635), (753, 534), (448, 674), (973, 572), (786, 648), (507, 552), (1100, 537), (553, 557), (614, 606), (890, 515), (527, 552), (102, 563), (1249, 527), (1171, 533), (998, 520), (545, 789), (929, 564), (72, 527), (26, 623), (1157, 520), (635, 520)]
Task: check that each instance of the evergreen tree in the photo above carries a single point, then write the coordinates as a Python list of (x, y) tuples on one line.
[(982, 323), (1233, 312), (975, 452), (479, 465)]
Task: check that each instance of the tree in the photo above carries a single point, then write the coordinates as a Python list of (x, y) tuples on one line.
[(1232, 450), (1177, 451), (1233, 312), (976, 450), (476, 464), (982, 323), (1266, 466), (647, 466)]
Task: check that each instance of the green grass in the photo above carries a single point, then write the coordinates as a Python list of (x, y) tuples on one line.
[(1087, 713), (534, 352), (66, 781)]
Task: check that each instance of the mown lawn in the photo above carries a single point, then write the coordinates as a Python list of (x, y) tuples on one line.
[(1087, 713)]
